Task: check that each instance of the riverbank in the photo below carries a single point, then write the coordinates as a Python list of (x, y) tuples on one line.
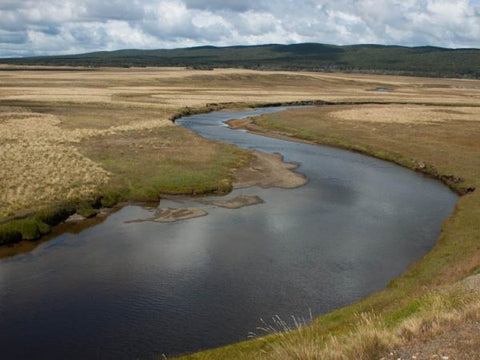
[(430, 299), (75, 141), (134, 176)]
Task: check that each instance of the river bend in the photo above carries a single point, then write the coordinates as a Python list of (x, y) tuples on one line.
[(127, 290)]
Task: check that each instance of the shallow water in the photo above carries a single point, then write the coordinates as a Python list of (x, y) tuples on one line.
[(123, 290)]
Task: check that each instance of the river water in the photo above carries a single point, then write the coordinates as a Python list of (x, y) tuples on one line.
[(123, 290)]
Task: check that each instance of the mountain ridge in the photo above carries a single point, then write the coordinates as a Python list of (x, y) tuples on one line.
[(364, 58)]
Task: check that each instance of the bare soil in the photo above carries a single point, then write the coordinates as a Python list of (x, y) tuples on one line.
[(171, 215), (235, 203), (459, 343), (268, 170)]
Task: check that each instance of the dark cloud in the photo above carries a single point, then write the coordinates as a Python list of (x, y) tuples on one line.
[(51, 30), (33, 27), (9, 37), (231, 5), (9, 5), (114, 10)]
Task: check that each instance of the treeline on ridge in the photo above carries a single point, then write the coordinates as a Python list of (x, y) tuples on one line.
[(379, 59)]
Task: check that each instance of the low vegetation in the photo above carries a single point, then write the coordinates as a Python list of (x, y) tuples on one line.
[(166, 160)]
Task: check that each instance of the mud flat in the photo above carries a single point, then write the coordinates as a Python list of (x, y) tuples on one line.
[(269, 170), (236, 203), (169, 215)]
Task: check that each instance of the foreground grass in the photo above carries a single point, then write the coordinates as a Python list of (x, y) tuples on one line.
[(427, 299)]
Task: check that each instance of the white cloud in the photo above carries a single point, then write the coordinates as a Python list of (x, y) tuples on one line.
[(37, 27)]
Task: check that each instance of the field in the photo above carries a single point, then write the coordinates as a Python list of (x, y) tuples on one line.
[(76, 141), (61, 131), (84, 139)]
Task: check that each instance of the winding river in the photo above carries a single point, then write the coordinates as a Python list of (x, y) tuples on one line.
[(134, 290)]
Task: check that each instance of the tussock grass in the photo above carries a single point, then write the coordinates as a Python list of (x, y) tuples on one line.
[(296, 341), (38, 165), (371, 335), (407, 114)]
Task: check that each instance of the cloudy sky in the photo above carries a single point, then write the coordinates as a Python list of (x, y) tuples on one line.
[(40, 27)]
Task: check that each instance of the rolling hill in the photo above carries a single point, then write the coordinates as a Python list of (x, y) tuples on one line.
[(418, 61)]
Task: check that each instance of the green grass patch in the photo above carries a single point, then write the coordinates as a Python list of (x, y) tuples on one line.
[(29, 229), (171, 160), (34, 226)]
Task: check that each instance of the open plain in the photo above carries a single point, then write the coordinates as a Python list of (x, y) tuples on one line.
[(66, 134), (81, 140)]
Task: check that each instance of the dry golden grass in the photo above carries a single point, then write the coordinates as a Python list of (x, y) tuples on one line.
[(39, 163), (46, 116), (371, 337), (408, 114), (174, 87)]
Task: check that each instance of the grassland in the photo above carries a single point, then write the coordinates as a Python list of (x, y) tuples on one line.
[(75, 141), (79, 140)]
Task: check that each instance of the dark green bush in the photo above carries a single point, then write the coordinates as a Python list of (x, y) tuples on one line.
[(9, 235), (87, 212), (54, 216)]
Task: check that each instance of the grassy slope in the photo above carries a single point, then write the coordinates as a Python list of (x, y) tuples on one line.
[(452, 147), (367, 58)]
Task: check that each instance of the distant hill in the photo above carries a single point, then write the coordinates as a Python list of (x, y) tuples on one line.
[(419, 61)]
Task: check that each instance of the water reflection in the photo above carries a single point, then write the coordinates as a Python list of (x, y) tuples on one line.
[(123, 290)]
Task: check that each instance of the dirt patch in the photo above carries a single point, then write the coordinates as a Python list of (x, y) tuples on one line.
[(407, 114), (75, 218), (169, 215), (268, 170), (459, 343), (235, 203), (472, 282), (239, 123)]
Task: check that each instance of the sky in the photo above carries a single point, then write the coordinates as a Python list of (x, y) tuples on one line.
[(49, 27)]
